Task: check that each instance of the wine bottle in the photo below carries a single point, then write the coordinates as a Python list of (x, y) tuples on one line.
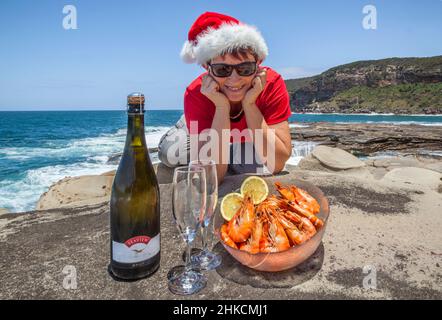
[(135, 203)]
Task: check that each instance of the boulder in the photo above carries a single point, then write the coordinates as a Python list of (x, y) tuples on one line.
[(89, 190), (370, 138), (414, 176), (77, 191), (337, 159)]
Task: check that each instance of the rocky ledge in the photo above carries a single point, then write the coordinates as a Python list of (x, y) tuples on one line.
[(366, 139), (383, 231)]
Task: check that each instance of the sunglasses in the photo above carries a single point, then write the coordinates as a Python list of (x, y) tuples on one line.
[(223, 70)]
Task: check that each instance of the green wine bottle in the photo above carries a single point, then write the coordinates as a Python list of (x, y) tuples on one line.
[(135, 203)]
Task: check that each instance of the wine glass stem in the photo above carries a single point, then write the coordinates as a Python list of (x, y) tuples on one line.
[(188, 257), (204, 237)]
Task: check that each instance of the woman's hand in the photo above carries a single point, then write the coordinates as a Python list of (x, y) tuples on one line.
[(210, 88), (258, 85)]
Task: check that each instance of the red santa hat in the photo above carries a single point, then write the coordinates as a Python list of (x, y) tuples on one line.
[(214, 34)]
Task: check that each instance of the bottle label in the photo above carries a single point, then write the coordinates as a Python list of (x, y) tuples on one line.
[(136, 249)]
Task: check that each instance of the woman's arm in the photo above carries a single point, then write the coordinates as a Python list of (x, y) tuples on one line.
[(279, 134), (220, 126), (276, 138)]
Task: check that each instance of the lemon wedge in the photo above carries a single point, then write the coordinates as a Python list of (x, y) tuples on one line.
[(255, 187), (230, 205)]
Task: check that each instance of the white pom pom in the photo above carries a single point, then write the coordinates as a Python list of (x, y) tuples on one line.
[(187, 52)]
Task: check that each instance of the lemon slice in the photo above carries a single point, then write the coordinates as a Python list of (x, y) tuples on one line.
[(256, 187), (230, 205)]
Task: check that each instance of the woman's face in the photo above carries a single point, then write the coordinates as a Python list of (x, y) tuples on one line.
[(234, 86)]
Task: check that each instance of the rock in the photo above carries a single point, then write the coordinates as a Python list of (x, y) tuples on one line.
[(414, 176), (88, 190), (3, 211), (336, 158), (366, 139), (109, 173), (376, 83), (364, 228), (77, 191), (311, 163), (395, 162), (436, 166)]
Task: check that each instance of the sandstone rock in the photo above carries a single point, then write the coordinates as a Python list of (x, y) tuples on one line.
[(88, 190), (436, 166), (311, 163), (109, 173), (77, 191), (363, 226), (320, 93), (414, 176), (3, 211), (369, 138), (336, 158), (396, 162)]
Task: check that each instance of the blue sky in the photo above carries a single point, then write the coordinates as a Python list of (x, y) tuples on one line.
[(134, 45)]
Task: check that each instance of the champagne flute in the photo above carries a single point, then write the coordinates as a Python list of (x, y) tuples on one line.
[(205, 259), (188, 206)]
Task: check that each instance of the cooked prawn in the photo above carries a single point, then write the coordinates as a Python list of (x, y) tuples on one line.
[(252, 244), (241, 225), (304, 227), (225, 237), (274, 238)]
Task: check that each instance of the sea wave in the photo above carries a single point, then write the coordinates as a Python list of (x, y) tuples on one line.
[(90, 157), (300, 149), (91, 147), (22, 195), (297, 125)]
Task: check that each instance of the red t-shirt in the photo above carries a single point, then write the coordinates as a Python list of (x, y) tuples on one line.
[(273, 102)]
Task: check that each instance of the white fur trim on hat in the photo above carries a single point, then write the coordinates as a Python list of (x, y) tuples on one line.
[(215, 42), (187, 53)]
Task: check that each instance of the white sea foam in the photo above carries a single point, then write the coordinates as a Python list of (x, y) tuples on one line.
[(297, 125), (23, 194), (300, 149)]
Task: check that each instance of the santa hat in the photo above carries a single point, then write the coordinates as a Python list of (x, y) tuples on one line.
[(214, 34)]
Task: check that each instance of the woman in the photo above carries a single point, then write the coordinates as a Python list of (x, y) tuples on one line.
[(236, 97)]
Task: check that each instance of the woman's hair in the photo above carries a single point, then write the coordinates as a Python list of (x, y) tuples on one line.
[(241, 53)]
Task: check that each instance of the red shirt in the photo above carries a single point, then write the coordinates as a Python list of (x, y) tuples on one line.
[(273, 102)]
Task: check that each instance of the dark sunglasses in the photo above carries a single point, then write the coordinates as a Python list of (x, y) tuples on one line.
[(223, 70)]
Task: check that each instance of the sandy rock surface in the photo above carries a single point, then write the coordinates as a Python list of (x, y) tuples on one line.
[(378, 228), (336, 158), (77, 191)]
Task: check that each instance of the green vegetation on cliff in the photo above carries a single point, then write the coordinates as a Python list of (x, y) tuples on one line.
[(395, 85), (402, 98)]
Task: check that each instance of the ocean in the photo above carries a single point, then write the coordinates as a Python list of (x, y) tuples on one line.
[(39, 148)]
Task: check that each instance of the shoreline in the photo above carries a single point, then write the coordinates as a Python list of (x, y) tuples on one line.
[(371, 210), (347, 136)]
